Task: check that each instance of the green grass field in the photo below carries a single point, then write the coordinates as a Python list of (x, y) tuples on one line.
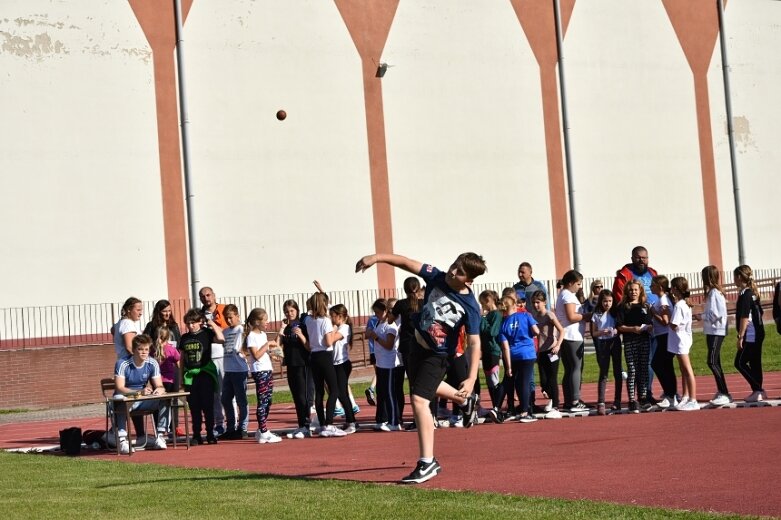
[(43, 486)]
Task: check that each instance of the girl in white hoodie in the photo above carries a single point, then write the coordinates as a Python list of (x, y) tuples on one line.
[(714, 324)]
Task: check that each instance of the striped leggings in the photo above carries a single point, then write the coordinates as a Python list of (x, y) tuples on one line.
[(636, 351), (264, 391)]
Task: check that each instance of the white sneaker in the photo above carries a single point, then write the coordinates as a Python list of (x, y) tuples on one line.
[(528, 418), (124, 446), (382, 427), (394, 428), (269, 438), (299, 433), (332, 431), (553, 414), (720, 400), (549, 406), (690, 406), (349, 428), (160, 442), (681, 406), (665, 402)]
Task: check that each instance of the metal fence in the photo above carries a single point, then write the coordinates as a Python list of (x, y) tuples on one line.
[(26, 327)]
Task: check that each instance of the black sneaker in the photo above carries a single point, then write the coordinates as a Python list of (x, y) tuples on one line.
[(423, 472), (493, 415), (211, 439), (370, 396), (633, 407), (578, 407), (469, 409), (230, 435), (646, 406), (196, 440), (410, 427)]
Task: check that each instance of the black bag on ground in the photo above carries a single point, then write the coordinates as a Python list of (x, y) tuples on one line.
[(70, 441)]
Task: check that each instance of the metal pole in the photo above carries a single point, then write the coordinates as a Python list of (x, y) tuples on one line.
[(565, 130), (184, 121), (731, 133)]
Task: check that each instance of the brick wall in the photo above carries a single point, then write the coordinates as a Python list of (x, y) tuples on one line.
[(70, 375), (54, 376)]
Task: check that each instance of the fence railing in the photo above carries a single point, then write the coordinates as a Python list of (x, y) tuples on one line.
[(28, 327)]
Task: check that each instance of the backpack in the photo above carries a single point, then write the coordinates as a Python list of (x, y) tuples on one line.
[(70, 441), (90, 437)]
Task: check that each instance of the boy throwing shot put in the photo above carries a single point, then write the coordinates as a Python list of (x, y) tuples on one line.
[(448, 304)]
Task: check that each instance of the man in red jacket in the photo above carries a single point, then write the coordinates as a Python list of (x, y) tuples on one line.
[(638, 270)]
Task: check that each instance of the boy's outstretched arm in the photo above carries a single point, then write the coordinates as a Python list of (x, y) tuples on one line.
[(402, 262)]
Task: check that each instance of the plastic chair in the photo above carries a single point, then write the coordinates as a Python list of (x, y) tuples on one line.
[(108, 387)]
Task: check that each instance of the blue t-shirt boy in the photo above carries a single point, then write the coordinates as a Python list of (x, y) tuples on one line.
[(443, 312), (136, 378)]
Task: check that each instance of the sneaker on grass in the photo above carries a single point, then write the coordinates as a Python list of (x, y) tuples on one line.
[(423, 472)]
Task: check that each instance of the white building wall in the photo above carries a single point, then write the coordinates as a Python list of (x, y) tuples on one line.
[(466, 147), (281, 203), (753, 30), (80, 199), (634, 134)]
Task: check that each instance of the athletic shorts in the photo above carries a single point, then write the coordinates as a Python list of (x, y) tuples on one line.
[(426, 371)]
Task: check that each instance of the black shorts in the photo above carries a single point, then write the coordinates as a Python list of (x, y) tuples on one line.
[(426, 371)]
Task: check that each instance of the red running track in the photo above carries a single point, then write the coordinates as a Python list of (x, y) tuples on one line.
[(723, 460)]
